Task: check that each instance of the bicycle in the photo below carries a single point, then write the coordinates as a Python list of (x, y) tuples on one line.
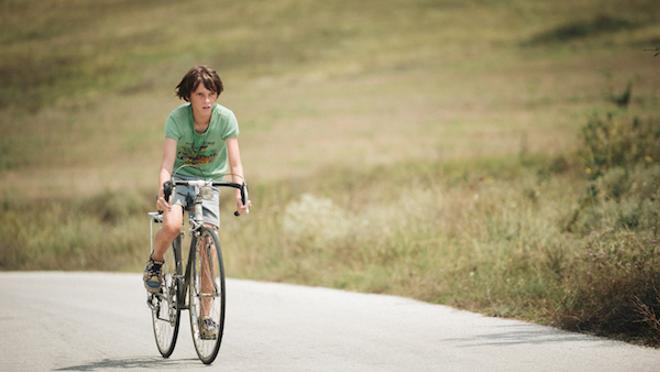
[(203, 280)]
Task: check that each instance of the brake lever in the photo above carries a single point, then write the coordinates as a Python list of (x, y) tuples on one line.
[(168, 186), (244, 199)]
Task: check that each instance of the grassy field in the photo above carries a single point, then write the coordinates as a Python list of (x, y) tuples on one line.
[(447, 151)]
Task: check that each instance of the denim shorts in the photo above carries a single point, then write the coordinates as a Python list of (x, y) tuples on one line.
[(184, 196)]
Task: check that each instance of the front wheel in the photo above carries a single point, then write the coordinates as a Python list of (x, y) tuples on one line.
[(207, 295)]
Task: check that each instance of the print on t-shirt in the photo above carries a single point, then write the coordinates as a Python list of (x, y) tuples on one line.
[(188, 155)]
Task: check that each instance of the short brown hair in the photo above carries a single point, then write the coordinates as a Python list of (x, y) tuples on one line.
[(199, 74)]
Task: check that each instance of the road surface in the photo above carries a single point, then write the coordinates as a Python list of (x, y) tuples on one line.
[(99, 321)]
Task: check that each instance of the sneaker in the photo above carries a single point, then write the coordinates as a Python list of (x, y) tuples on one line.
[(153, 278), (208, 329)]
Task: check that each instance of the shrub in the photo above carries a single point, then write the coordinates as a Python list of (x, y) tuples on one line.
[(616, 272), (622, 142), (614, 288), (620, 158)]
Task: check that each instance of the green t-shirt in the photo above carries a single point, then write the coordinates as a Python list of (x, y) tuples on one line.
[(206, 152)]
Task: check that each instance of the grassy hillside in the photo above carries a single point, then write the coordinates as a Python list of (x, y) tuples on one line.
[(373, 83), (433, 149)]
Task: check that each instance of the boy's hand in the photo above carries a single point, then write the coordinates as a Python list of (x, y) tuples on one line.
[(243, 209), (161, 203)]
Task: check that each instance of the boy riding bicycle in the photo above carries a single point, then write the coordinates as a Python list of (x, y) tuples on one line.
[(203, 134)]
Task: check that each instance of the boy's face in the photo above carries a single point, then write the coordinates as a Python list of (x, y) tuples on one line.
[(202, 100)]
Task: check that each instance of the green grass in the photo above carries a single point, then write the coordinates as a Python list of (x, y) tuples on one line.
[(428, 149)]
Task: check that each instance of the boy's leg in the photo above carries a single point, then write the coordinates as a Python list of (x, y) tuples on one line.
[(211, 212), (172, 221), (210, 271)]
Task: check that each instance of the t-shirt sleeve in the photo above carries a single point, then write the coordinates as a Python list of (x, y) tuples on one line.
[(231, 126), (171, 129)]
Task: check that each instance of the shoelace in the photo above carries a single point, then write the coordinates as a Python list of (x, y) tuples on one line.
[(209, 323), (154, 268)]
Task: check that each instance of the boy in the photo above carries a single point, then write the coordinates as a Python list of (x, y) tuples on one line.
[(204, 134)]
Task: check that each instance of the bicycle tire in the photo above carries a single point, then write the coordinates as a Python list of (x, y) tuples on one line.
[(166, 315), (212, 297)]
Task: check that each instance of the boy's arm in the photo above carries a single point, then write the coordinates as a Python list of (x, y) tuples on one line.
[(236, 169), (169, 153)]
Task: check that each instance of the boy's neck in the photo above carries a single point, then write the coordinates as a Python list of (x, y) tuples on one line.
[(201, 121)]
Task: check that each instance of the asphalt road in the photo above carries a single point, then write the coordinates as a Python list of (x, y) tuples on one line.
[(99, 321)]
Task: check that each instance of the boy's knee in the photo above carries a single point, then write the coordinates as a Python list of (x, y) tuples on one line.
[(172, 228)]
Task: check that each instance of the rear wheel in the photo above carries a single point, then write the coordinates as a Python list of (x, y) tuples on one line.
[(165, 311), (207, 295)]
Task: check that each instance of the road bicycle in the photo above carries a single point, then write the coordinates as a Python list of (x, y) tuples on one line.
[(201, 288)]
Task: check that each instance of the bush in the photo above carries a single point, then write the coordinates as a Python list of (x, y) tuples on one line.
[(620, 158), (614, 288), (616, 272), (623, 142)]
